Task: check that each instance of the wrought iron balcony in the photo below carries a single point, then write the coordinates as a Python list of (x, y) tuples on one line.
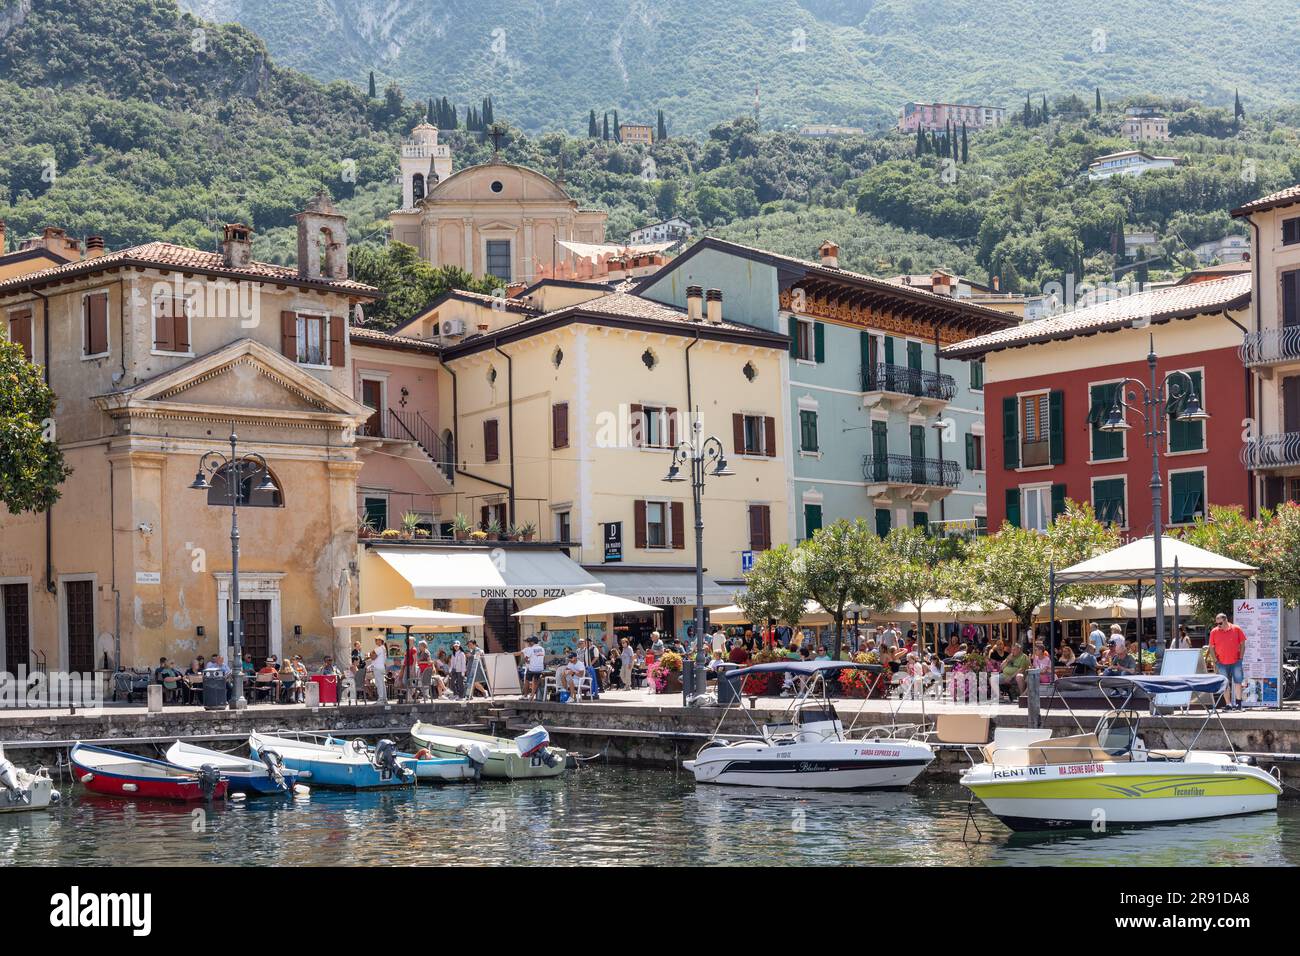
[(904, 380), (1270, 346), (1271, 451), (906, 470)]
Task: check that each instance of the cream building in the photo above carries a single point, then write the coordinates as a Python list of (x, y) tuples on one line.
[(563, 408), (495, 218), (1271, 349), (156, 353)]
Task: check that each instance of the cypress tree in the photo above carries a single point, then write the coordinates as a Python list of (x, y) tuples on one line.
[(965, 149), (373, 92), (618, 138), (604, 133), (1046, 113), (1029, 113), (448, 113), (1099, 101), (920, 141), (1238, 111), (663, 127), (592, 129), (455, 118)]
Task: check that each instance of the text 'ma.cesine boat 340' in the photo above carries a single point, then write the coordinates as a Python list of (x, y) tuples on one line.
[(1109, 777), (809, 749)]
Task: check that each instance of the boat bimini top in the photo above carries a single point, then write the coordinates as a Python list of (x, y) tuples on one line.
[(801, 668)]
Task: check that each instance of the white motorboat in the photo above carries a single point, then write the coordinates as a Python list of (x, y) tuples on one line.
[(810, 750), (267, 775), (1109, 777), (527, 756), (20, 790), (328, 762)]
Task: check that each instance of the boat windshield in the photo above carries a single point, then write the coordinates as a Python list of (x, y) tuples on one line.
[(816, 714), (1117, 731)]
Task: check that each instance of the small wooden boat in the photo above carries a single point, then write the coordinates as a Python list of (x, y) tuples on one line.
[(118, 774), (20, 790), (347, 764), (265, 776), (507, 759), (428, 767)]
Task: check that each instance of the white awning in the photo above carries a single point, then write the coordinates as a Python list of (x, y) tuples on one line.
[(516, 574), (663, 588)]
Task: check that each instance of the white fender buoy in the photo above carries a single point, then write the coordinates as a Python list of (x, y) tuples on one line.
[(300, 791), (87, 778), (236, 797), (130, 787)]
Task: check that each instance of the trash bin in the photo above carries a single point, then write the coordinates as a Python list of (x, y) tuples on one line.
[(214, 690), (329, 688), (688, 676), (728, 690)]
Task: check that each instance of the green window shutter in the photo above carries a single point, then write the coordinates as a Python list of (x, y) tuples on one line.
[(1108, 501), (1056, 426), (970, 452), (977, 374), (914, 355), (794, 336), (865, 354), (1013, 507), (889, 350), (882, 522), (1058, 500), (1186, 496), (812, 519), (1188, 436), (1105, 445), (807, 431), (819, 341), (1010, 433)]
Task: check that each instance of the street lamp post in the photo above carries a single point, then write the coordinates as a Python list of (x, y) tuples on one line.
[(706, 458), (1177, 395), (235, 468)]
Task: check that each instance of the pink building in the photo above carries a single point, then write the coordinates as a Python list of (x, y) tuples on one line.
[(938, 116)]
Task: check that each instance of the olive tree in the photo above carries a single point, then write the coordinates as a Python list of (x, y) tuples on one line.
[(31, 462)]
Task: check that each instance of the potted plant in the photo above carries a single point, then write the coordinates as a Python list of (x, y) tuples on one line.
[(665, 674), (366, 528), (461, 526), (410, 522), (477, 536), (527, 530), (493, 530), (1148, 659), (390, 534)]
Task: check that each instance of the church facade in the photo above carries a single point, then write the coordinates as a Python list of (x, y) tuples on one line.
[(495, 218)]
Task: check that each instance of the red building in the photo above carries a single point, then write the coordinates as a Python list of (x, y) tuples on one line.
[(1049, 384)]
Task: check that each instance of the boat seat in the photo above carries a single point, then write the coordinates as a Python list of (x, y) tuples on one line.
[(961, 729), (1166, 754), (1081, 748)]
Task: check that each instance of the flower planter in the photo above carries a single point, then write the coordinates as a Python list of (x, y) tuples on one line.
[(672, 684)]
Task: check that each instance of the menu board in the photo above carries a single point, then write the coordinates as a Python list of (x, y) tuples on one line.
[(557, 644), (1261, 619)]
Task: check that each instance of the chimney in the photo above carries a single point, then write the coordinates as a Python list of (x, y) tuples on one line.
[(694, 303), (941, 283), (237, 245), (830, 254), (94, 246), (995, 283), (713, 298)]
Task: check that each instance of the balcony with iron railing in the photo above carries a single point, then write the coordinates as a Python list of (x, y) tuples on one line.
[(1270, 347), (905, 380), (1268, 452), (907, 470)]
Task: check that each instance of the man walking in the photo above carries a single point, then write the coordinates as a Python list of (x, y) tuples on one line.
[(1228, 641), (1097, 637), (458, 667)]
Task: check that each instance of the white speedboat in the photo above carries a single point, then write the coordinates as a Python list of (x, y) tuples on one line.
[(810, 750), (527, 756), (1109, 776), (267, 775), (20, 790)]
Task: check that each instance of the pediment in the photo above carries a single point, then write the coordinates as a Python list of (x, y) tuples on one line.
[(244, 376)]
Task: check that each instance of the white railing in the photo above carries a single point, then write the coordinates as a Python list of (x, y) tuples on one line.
[(1270, 345), (1271, 451)]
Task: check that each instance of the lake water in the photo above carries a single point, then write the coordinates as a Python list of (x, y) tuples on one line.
[(600, 815)]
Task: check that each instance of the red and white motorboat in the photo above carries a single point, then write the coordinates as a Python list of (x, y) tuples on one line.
[(118, 774)]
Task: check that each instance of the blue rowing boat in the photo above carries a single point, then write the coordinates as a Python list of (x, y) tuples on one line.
[(265, 776), (349, 765)]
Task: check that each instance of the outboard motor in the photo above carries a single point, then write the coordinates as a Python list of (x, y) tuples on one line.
[(477, 754), (209, 777), (13, 791), (385, 760), (548, 757), (274, 767)]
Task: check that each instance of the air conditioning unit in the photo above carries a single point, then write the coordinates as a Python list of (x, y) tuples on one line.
[(453, 327)]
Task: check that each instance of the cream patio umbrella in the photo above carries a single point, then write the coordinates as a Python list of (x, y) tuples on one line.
[(1134, 563), (411, 618), (584, 604)]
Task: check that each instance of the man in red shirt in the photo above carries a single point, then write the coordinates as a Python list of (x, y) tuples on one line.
[(1229, 643)]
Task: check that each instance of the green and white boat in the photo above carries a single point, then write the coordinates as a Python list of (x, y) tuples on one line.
[(1109, 778), (525, 757)]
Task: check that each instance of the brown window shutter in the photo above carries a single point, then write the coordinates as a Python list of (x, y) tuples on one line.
[(20, 331), (679, 525), (672, 427), (765, 516), (738, 433), (289, 335), (635, 426), (96, 324), (560, 424), (180, 325), (490, 448), (754, 530), (164, 327), (769, 436), (484, 517), (638, 513), (338, 353)]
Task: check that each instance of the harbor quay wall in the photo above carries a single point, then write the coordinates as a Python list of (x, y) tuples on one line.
[(634, 734)]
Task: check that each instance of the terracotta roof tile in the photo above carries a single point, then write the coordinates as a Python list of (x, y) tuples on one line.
[(165, 255), (1283, 197), (1158, 305), (382, 339)]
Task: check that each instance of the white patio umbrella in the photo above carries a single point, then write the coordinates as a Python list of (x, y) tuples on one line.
[(813, 613), (585, 604), (411, 618)]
